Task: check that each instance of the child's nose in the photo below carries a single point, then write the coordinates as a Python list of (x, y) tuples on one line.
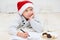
[(30, 12)]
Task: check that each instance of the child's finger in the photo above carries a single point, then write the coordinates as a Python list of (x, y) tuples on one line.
[(26, 33)]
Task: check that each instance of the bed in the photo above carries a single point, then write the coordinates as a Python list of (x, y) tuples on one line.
[(52, 21)]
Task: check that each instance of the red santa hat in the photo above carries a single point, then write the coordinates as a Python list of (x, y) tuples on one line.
[(23, 5)]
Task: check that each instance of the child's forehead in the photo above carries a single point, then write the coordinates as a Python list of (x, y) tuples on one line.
[(29, 8)]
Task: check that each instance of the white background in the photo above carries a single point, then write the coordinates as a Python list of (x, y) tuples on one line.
[(50, 5)]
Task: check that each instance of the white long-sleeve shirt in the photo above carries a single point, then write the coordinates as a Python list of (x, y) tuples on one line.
[(17, 23)]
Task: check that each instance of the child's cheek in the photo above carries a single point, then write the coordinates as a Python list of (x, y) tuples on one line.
[(27, 16)]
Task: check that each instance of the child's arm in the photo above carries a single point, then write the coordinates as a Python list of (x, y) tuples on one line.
[(36, 25), (14, 25)]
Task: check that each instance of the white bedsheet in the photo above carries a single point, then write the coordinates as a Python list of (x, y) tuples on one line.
[(5, 23), (52, 21)]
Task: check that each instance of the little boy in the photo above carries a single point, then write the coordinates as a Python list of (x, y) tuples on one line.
[(27, 22)]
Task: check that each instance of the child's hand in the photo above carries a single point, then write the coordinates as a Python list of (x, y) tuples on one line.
[(23, 35), (31, 17)]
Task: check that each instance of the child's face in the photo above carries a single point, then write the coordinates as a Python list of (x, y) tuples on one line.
[(28, 12)]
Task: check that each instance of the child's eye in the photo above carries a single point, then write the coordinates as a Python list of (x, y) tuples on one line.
[(26, 10), (31, 9)]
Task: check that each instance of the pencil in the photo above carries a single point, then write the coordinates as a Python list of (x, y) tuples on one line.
[(24, 32)]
